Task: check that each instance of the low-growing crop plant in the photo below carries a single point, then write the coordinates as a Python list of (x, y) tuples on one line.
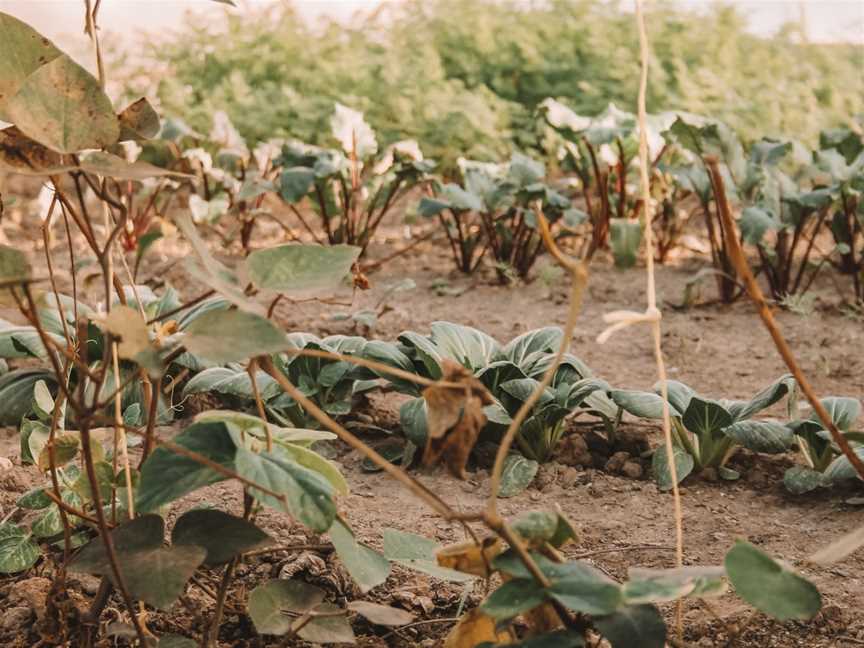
[(493, 210), (824, 464), (351, 189), (707, 432), (509, 372)]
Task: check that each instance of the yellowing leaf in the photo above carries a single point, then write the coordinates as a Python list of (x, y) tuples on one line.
[(470, 557), (65, 449), (472, 629), (126, 324)]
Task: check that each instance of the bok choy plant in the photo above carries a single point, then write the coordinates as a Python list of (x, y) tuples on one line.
[(824, 463), (707, 432), (510, 373)]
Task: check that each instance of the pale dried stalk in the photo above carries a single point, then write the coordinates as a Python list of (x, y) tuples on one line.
[(651, 293)]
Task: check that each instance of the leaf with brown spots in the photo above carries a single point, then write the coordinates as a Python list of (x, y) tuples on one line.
[(138, 121), (454, 417), (20, 154)]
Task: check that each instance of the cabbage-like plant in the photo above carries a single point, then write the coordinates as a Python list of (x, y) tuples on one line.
[(330, 384), (351, 188), (824, 463), (493, 210), (510, 373), (707, 432)]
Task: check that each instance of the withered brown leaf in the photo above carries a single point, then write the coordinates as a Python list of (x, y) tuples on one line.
[(454, 417)]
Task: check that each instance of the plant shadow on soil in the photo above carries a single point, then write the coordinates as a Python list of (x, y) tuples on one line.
[(623, 519)]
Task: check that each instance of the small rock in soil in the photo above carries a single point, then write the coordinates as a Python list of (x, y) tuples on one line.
[(632, 469), (573, 451), (616, 462), (569, 477)]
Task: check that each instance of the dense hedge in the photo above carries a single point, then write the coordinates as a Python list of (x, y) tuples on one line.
[(464, 77)]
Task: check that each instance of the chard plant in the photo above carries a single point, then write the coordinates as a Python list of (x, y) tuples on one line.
[(824, 464), (601, 152), (350, 189), (493, 211), (707, 432)]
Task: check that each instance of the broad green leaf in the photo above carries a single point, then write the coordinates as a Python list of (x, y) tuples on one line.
[(741, 410), (583, 588), (769, 586), (625, 236), (62, 106), (412, 418), (43, 400), (542, 340), (16, 393), (367, 567), (390, 354), (755, 222), (23, 50), (167, 476), (841, 469), (513, 598), (801, 479), (270, 603), (17, 551), (704, 416), (317, 464), (469, 347), (770, 437), (536, 527), (331, 627), (232, 382), (151, 572), (678, 393), (843, 411), (224, 336), (50, 523), (633, 625), (34, 499), (305, 495), (65, 448), (517, 475), (295, 183), (418, 553), (660, 465), (223, 536), (301, 269), (659, 585), (639, 403)]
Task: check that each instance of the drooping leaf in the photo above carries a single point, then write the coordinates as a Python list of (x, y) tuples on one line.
[(223, 536), (770, 437), (116, 167), (269, 603), (223, 336), (23, 50), (659, 585), (232, 382), (517, 475), (367, 567), (634, 625), (63, 107), (769, 586), (741, 410), (17, 551), (841, 469), (513, 598), (641, 404), (318, 464), (660, 465), (801, 479), (583, 588)]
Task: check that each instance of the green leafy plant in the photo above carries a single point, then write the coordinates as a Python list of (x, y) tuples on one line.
[(351, 189), (707, 432), (493, 210), (510, 373), (824, 464)]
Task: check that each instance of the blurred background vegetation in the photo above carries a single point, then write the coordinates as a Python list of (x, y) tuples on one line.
[(464, 78)]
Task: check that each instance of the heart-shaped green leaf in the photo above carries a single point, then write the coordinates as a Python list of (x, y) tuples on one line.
[(224, 536)]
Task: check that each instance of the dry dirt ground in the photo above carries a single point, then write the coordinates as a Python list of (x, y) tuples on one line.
[(624, 521)]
